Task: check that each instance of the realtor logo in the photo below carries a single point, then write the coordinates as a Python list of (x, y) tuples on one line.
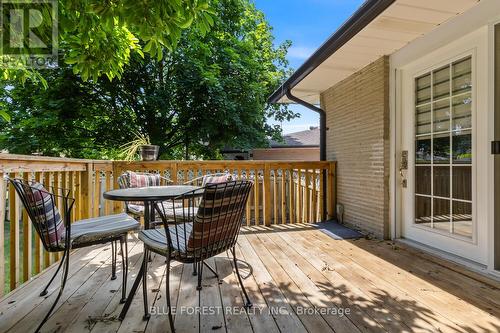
[(28, 33)]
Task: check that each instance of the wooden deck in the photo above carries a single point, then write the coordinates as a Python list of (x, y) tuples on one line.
[(379, 288)]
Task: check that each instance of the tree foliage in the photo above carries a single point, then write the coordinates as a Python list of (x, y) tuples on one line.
[(208, 92), (98, 37)]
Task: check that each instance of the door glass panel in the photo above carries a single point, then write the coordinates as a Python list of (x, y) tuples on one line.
[(462, 76), (441, 83), (423, 150), (423, 89), (423, 121), (423, 180), (443, 149), (462, 112), (442, 181), (423, 210), (442, 115), (462, 182), (462, 218), (441, 216), (462, 147)]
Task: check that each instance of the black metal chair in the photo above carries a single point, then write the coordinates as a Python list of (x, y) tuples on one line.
[(58, 234), (193, 238)]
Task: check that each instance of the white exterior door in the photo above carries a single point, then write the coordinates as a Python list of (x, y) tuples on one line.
[(444, 194)]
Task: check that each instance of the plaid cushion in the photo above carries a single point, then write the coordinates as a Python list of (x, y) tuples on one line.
[(131, 179), (218, 217), (46, 215), (211, 179)]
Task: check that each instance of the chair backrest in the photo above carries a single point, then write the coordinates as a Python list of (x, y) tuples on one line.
[(218, 219), (40, 205)]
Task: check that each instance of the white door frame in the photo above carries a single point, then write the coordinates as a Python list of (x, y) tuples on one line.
[(476, 44)]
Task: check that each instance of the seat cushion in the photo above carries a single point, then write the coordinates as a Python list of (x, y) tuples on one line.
[(156, 239), (102, 228)]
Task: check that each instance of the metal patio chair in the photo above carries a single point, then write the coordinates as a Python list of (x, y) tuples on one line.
[(193, 238), (58, 234)]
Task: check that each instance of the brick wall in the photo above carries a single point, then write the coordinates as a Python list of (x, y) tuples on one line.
[(357, 111)]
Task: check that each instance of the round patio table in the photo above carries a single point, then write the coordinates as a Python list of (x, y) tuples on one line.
[(150, 196)]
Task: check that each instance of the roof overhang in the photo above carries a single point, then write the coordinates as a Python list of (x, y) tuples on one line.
[(377, 28)]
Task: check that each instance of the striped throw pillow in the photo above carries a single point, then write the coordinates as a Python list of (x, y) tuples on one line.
[(143, 180), (46, 215), (133, 179), (210, 179)]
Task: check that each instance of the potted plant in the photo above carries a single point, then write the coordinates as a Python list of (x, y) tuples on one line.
[(142, 145)]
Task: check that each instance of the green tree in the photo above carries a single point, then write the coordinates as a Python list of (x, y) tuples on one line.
[(98, 37), (208, 92)]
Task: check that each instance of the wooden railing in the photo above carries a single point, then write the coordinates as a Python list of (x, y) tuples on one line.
[(284, 192)]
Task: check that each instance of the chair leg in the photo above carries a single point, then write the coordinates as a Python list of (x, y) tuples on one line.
[(200, 274), (145, 284), (211, 269), (169, 306), (194, 269), (44, 291), (63, 284), (113, 260), (124, 253), (248, 303)]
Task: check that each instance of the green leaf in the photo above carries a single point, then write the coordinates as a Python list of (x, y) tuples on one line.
[(5, 116)]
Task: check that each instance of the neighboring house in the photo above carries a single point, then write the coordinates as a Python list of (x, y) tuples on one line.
[(409, 92), (298, 146), (232, 154)]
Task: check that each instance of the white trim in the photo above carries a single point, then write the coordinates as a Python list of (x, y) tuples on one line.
[(491, 136), (468, 44)]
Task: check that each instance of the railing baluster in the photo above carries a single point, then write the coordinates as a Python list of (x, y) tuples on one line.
[(248, 210), (26, 239), (14, 235), (267, 194), (314, 198), (108, 204), (291, 197), (275, 196), (38, 244), (283, 196), (3, 210), (257, 197)]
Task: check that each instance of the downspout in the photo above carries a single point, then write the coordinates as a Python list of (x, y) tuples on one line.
[(322, 139)]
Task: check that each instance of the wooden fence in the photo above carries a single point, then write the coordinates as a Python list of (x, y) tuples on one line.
[(284, 192)]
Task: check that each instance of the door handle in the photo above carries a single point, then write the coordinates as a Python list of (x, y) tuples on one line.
[(495, 147)]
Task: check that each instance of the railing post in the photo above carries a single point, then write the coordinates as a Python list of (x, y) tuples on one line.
[(267, 194), (117, 205), (86, 190), (331, 190), (3, 210), (26, 240), (174, 173)]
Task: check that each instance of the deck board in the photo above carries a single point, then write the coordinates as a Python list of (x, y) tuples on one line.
[(386, 288)]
